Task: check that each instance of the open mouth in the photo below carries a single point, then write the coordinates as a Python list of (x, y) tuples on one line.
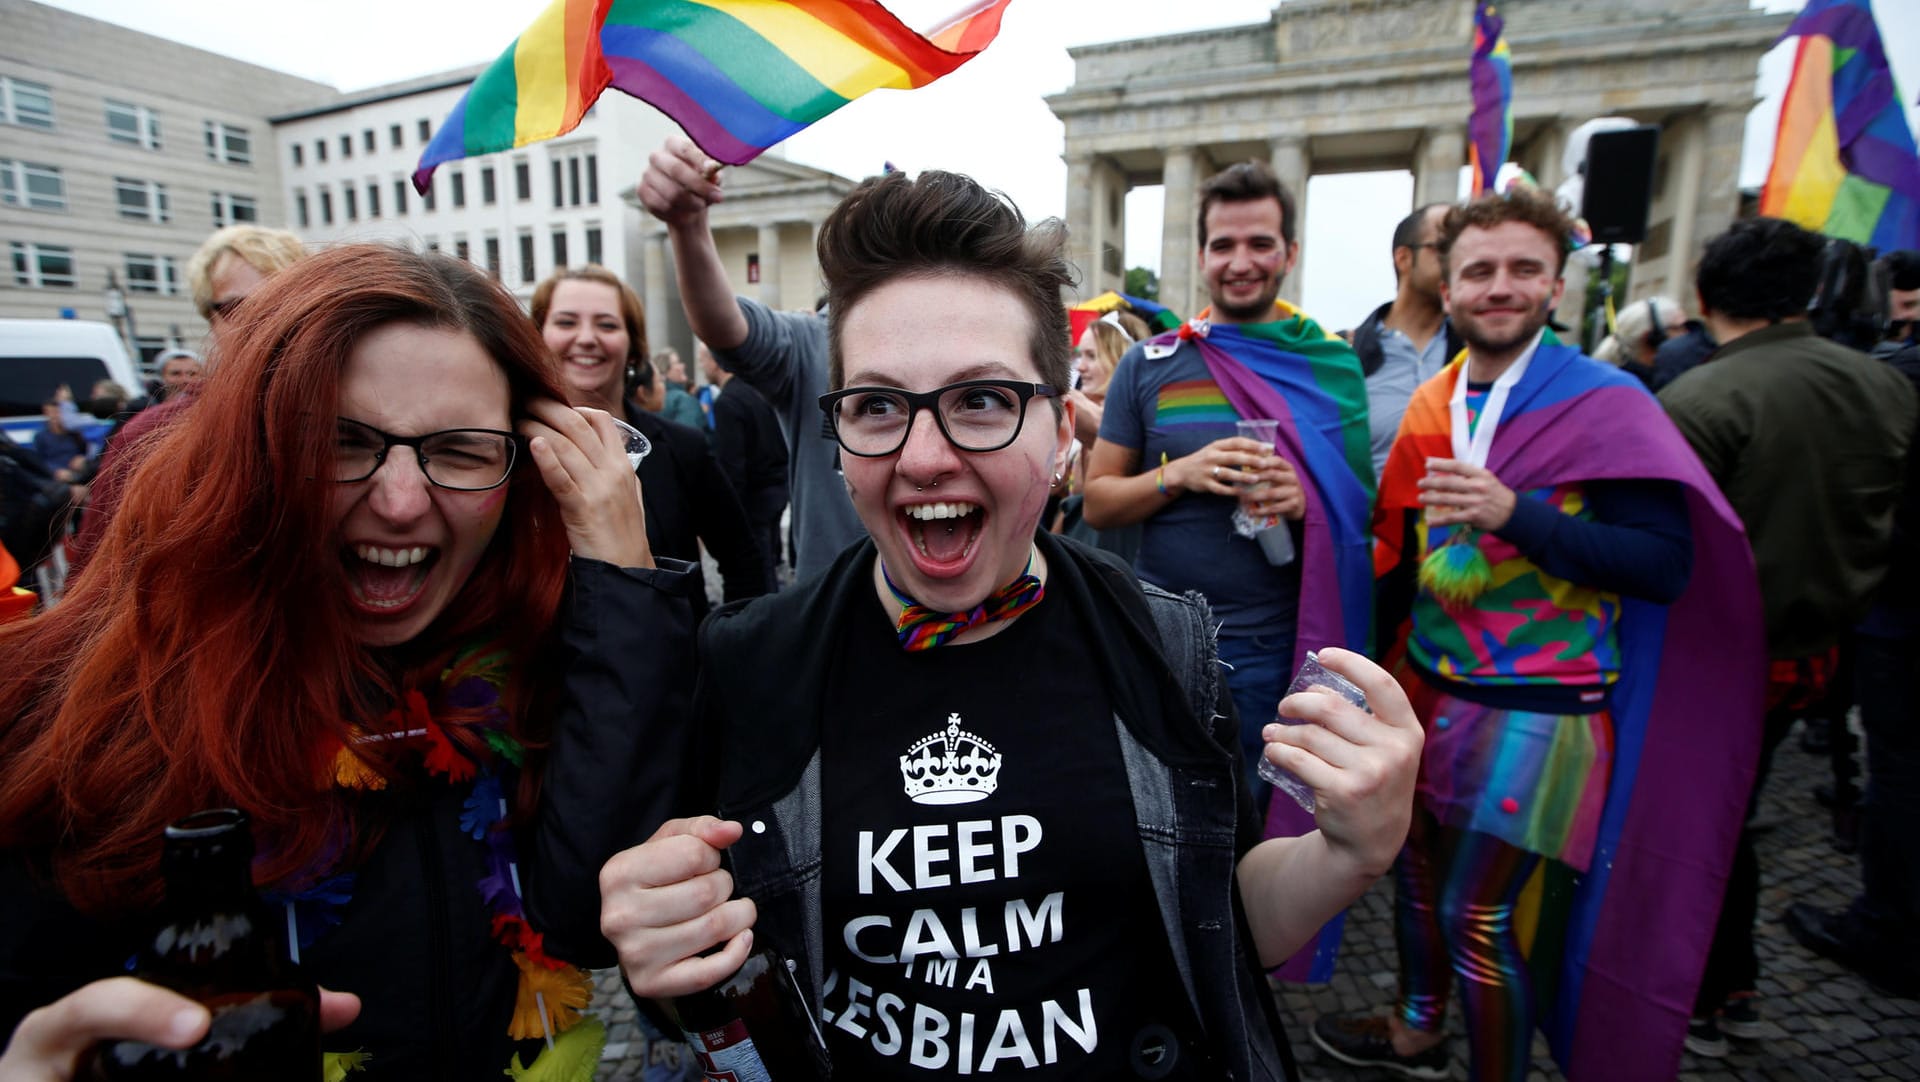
[(942, 536), (385, 581)]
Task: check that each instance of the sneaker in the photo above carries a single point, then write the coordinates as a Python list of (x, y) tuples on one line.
[(1843, 938), (1740, 1018), (1705, 1039), (1367, 1041)]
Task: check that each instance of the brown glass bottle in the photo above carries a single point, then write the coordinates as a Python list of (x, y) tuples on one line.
[(215, 944), (754, 1026)]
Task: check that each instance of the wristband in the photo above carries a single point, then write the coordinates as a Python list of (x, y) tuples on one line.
[(1160, 475)]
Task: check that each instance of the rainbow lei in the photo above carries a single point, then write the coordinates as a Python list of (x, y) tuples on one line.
[(552, 992)]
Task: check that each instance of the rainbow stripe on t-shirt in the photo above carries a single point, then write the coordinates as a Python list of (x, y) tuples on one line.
[(1192, 402)]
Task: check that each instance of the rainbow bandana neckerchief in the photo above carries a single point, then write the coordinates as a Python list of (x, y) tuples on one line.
[(1297, 373), (1620, 949), (921, 628)]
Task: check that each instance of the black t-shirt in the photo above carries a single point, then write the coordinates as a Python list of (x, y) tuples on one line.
[(986, 902)]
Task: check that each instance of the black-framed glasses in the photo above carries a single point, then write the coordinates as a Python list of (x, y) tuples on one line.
[(975, 415), (461, 459)]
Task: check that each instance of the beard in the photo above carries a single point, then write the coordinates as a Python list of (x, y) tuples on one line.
[(1484, 341), (1255, 311)]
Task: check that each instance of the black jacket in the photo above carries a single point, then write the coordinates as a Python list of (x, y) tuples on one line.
[(415, 943), (751, 449), (1366, 340), (689, 501), (764, 672)]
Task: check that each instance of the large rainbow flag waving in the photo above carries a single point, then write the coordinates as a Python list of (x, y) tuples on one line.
[(1293, 370), (1616, 954), (1490, 129), (737, 75), (1844, 162)]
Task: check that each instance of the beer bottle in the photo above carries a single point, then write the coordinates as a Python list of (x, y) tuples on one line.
[(754, 1026), (215, 944)]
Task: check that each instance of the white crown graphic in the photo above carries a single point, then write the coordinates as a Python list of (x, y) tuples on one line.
[(953, 767)]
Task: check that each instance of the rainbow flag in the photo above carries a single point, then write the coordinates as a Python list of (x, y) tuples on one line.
[(1490, 129), (1616, 953), (1844, 162), (737, 75), (1293, 370)]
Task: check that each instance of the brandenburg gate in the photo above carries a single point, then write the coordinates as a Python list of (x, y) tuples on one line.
[(1341, 86)]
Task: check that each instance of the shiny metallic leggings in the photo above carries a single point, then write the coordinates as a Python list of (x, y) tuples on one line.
[(1453, 914)]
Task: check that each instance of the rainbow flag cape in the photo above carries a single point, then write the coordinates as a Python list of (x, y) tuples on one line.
[(1616, 954), (1296, 372), (737, 75), (1844, 161), (1490, 129)]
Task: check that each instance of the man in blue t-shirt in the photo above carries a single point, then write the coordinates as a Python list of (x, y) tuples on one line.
[(1169, 455)]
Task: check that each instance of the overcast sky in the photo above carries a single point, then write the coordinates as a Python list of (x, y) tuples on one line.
[(988, 119)]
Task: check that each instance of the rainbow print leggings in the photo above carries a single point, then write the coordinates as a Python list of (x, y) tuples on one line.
[(1455, 893)]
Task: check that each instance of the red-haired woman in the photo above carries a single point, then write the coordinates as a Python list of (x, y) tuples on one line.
[(339, 595)]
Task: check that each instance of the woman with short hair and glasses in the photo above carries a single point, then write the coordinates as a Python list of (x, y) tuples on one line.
[(391, 596), (972, 780)]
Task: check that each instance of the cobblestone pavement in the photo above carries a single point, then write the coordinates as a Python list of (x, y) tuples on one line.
[(1822, 1022)]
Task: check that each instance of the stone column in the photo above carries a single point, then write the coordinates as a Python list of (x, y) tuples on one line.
[(1083, 235), (1548, 148), (1293, 163), (1436, 174), (653, 280), (1686, 162), (770, 265), (1179, 241), (1724, 131)]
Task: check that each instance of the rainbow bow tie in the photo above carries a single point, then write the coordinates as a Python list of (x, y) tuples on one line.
[(922, 628)]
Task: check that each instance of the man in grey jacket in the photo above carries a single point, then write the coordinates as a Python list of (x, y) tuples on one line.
[(783, 355)]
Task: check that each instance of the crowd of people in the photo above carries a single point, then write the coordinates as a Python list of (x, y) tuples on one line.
[(985, 764)]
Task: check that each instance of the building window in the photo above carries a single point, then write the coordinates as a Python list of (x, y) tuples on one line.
[(460, 249), (31, 185), (559, 184), (426, 197), (487, 193), (46, 266), (593, 180), (559, 248), (346, 147), (567, 175), (29, 105), (573, 180), (400, 197), (433, 244), (234, 209), (459, 190), (226, 143), (319, 150), (326, 206), (350, 201), (593, 244), (491, 245), (373, 200), (367, 141), (526, 257), (522, 180), (144, 200), (393, 136), (426, 130), (300, 209), (135, 125), (299, 153), (152, 274)]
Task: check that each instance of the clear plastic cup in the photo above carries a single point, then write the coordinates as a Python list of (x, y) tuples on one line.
[(638, 446), (1312, 676), (1275, 536)]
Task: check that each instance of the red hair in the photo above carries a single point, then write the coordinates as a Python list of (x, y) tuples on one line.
[(207, 655)]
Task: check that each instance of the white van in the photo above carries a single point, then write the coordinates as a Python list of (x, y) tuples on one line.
[(37, 356)]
